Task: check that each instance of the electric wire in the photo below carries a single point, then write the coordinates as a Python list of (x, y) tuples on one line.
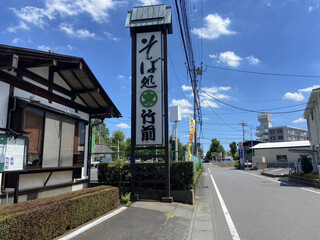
[(264, 73), (248, 110)]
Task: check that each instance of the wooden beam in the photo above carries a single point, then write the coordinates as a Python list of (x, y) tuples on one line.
[(30, 63), (87, 90), (68, 66), (9, 61), (50, 84), (33, 89)]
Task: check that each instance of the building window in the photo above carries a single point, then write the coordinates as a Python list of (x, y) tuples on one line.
[(272, 131), (280, 137), (33, 125), (30, 120), (282, 158), (79, 140), (279, 130), (273, 138), (54, 140)]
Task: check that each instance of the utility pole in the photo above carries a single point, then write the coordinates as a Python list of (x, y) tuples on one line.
[(195, 107), (243, 124), (196, 71)]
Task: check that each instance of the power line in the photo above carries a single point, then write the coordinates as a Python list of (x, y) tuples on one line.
[(248, 110), (264, 73)]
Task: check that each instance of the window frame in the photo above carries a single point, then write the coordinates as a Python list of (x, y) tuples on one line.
[(21, 109)]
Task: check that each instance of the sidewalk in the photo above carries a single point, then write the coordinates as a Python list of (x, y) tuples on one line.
[(153, 220)]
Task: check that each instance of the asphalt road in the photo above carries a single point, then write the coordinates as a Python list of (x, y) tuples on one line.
[(260, 207)]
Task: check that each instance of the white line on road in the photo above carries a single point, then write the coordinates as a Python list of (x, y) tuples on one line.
[(306, 189), (266, 178), (91, 225), (232, 228), (272, 180)]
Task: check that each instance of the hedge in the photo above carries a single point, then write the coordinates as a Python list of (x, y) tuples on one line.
[(50, 217), (181, 174)]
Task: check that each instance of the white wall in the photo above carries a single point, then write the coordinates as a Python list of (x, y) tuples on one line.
[(270, 154), (4, 101), (37, 180)]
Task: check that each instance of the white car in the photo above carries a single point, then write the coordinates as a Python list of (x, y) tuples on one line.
[(94, 164)]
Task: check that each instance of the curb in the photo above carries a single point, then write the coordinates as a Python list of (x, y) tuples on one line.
[(87, 227)]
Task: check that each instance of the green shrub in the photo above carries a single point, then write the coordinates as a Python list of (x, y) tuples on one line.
[(181, 174), (306, 165), (237, 165), (50, 217), (125, 198)]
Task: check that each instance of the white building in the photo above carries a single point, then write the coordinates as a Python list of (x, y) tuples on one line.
[(286, 133), (312, 115), (265, 120), (280, 154), (46, 103)]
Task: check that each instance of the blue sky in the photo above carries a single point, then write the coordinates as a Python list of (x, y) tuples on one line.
[(257, 36)]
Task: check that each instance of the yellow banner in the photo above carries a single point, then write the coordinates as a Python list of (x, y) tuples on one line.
[(192, 127), (189, 150)]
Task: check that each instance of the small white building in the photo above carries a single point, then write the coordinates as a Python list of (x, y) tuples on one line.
[(47, 102), (280, 154), (312, 115)]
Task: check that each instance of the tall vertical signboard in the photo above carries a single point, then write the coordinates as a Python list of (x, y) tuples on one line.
[(149, 124), (149, 27)]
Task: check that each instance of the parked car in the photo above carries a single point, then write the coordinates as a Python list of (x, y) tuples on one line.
[(94, 164)]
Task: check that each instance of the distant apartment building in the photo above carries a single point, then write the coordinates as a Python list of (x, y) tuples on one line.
[(265, 120), (287, 134)]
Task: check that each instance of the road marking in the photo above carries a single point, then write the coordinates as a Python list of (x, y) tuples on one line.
[(266, 178), (232, 228), (306, 189), (91, 225)]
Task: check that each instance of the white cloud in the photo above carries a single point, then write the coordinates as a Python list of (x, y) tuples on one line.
[(230, 58), (208, 103), (181, 103), (311, 9), (79, 33), (186, 88), (309, 89), (97, 9), (299, 120), (121, 76), (70, 47), (294, 96), (212, 56), (215, 26), (149, 2), (252, 60), (33, 15), (224, 88), (21, 25), (16, 40), (44, 48), (111, 37), (123, 125)]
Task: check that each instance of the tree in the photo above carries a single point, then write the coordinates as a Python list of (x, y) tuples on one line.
[(215, 147), (100, 131), (233, 148), (172, 148), (306, 165), (118, 135)]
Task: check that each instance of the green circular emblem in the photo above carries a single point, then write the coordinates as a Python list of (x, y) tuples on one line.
[(148, 98)]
